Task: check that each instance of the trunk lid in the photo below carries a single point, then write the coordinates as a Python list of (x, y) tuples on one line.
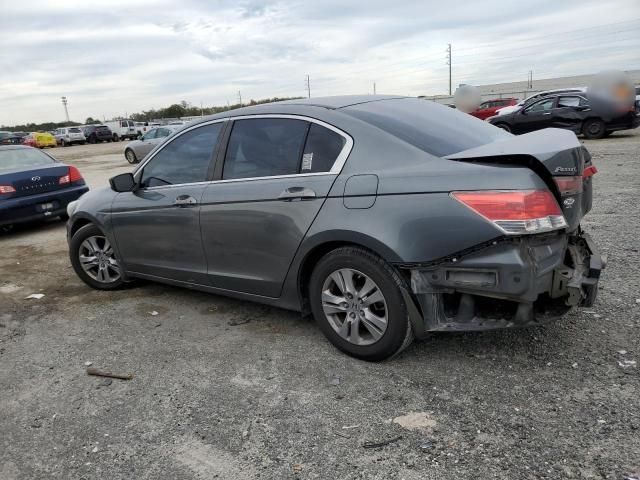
[(34, 181), (555, 155)]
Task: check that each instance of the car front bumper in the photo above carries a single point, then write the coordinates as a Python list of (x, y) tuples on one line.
[(510, 282), (30, 208)]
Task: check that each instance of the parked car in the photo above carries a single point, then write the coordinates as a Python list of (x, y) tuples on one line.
[(144, 127), (34, 185), (386, 217), (69, 135), (122, 130), (97, 133), (533, 98), (572, 112), (10, 138), (138, 149), (40, 140), (490, 107)]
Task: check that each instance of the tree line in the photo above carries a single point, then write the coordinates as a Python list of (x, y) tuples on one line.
[(177, 110)]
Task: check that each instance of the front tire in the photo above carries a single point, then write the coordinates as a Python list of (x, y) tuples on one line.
[(356, 300), (594, 128), (93, 259)]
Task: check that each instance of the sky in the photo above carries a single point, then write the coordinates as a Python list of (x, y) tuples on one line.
[(118, 57)]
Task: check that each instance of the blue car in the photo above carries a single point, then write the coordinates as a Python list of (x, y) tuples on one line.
[(35, 186)]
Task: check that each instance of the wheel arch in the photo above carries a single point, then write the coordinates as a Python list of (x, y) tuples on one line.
[(318, 246)]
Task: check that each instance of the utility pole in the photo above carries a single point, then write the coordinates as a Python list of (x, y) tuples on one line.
[(308, 82), (449, 63), (374, 88), (201, 110), (66, 111), (240, 97), (530, 80)]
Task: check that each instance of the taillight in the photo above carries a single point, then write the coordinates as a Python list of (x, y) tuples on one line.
[(5, 189), (73, 175), (516, 212), (568, 185), (590, 171)]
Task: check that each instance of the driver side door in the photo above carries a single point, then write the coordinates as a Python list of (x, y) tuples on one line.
[(157, 226), (535, 116)]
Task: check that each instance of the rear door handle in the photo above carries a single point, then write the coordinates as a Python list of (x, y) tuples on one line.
[(185, 201), (297, 193)]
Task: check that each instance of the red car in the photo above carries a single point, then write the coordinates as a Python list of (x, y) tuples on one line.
[(488, 109)]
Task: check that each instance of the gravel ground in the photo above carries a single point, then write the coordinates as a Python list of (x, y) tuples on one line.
[(233, 390)]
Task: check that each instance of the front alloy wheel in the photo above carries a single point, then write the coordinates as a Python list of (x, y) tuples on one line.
[(130, 156), (354, 306), (94, 260), (98, 261)]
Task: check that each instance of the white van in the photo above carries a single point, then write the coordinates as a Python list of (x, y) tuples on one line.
[(122, 129)]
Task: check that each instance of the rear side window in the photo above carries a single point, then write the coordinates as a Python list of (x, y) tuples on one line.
[(186, 159), (264, 147), (321, 150), (433, 128)]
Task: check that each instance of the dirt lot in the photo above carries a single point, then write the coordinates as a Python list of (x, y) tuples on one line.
[(232, 390)]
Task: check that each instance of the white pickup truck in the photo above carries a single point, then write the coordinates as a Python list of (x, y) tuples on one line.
[(122, 129)]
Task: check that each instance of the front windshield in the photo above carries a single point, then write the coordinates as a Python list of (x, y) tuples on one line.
[(23, 158)]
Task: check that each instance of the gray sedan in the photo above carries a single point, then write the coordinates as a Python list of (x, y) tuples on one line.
[(385, 217), (138, 149)]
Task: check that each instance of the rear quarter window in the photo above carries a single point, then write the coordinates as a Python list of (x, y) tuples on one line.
[(431, 127)]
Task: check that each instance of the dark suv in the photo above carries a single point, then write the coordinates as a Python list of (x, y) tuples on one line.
[(97, 133)]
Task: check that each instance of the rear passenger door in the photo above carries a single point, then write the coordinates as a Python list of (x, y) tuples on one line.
[(276, 174)]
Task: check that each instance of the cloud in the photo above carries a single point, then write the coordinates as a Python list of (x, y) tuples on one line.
[(147, 54)]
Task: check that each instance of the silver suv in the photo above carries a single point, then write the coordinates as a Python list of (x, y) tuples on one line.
[(69, 136)]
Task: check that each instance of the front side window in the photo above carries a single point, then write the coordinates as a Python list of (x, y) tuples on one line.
[(150, 135), (186, 159), (264, 147), (321, 150), (541, 106)]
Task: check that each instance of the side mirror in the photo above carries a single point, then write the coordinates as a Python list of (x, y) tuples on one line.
[(122, 183)]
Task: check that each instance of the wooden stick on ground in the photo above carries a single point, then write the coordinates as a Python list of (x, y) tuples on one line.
[(101, 373)]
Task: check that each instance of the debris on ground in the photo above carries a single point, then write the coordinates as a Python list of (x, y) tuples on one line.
[(415, 421), (426, 445), (35, 296), (153, 313), (102, 373), (349, 427), (381, 444), (627, 363), (88, 364), (622, 352), (241, 321), (297, 468)]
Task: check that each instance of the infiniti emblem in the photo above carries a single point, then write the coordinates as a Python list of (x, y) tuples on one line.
[(35, 179)]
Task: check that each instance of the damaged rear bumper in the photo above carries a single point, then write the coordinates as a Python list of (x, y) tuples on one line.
[(510, 282)]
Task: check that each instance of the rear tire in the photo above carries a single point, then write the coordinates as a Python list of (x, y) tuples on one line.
[(130, 156), (63, 143), (115, 137), (353, 277), (93, 259), (594, 128)]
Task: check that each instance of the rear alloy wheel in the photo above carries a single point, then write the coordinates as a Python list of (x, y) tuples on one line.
[(356, 299), (594, 128), (94, 260), (130, 156), (504, 127)]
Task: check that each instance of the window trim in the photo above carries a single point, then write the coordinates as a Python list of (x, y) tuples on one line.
[(336, 168)]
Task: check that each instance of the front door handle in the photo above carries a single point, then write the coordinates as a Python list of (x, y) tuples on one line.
[(297, 193), (185, 201)]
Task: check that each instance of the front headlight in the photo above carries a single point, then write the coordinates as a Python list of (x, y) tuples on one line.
[(71, 207)]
